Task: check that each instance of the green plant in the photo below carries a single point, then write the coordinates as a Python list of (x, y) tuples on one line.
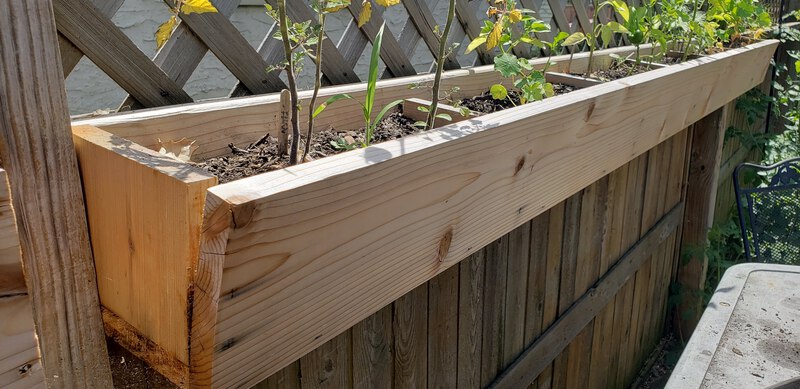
[(295, 38), (441, 55), (499, 33), (639, 25), (322, 8), (684, 22), (738, 20), (367, 106), (604, 31)]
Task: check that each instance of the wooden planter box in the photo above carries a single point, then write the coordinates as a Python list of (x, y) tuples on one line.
[(208, 282)]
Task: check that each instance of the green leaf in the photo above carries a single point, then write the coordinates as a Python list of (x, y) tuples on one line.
[(622, 9), (532, 41), (369, 100), (507, 64), (574, 39), (498, 92), (330, 101), (444, 116), (386, 109), (423, 108), (616, 27), (606, 34), (420, 124), (475, 44)]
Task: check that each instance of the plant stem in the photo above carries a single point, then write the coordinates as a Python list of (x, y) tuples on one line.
[(592, 41), (440, 66), (317, 80), (287, 51), (691, 32)]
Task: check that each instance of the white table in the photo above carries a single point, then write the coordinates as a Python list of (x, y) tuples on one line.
[(749, 335)]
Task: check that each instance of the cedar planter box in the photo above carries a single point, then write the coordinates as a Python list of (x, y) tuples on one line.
[(223, 285)]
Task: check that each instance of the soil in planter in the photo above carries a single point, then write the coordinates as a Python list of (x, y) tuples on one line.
[(486, 104), (617, 71), (242, 163)]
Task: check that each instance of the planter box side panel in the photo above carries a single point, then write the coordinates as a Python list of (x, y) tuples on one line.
[(214, 125), (539, 294), (145, 211), (383, 220), (19, 353)]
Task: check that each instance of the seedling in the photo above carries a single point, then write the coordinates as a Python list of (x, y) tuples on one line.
[(498, 33), (295, 36), (603, 31), (322, 8), (441, 55), (367, 106)]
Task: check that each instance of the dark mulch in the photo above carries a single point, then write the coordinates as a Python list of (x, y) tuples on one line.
[(129, 372), (617, 71), (660, 364), (263, 158)]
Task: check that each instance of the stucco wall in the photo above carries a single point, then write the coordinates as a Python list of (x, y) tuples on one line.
[(89, 89)]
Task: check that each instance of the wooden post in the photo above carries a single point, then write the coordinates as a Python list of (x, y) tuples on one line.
[(708, 136), (37, 151)]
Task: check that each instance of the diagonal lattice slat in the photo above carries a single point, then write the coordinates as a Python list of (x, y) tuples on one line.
[(472, 26), (182, 52), (391, 53), (421, 17), (230, 47), (90, 31), (70, 55)]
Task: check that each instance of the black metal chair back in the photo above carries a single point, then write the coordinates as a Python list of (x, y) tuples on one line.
[(769, 212)]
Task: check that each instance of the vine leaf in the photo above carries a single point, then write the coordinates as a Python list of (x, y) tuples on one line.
[(507, 64), (498, 92), (164, 31), (197, 6), (366, 13)]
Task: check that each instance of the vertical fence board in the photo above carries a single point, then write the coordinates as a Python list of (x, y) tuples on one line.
[(372, 351), (329, 365), (493, 309), (443, 329), (410, 327), (470, 319)]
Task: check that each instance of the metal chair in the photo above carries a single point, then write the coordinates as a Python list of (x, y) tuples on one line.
[(769, 211)]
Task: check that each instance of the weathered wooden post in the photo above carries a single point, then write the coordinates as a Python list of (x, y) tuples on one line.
[(37, 151), (708, 136)]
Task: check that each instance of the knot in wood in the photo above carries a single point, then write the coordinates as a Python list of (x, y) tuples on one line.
[(444, 245)]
